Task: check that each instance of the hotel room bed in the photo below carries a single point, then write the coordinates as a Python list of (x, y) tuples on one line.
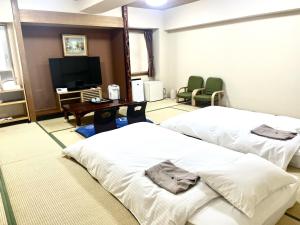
[(118, 159), (219, 212), (295, 162), (231, 128)]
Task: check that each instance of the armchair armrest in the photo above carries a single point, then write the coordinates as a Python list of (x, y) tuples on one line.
[(195, 92), (219, 93), (182, 88)]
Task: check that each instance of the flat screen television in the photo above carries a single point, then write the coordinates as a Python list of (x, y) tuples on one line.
[(75, 73)]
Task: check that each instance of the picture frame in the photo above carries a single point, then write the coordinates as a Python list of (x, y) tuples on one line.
[(74, 45)]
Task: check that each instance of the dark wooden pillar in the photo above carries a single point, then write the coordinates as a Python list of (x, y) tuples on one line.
[(25, 71), (127, 53)]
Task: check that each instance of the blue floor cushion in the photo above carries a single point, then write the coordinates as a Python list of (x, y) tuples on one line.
[(89, 130), (121, 122), (86, 131)]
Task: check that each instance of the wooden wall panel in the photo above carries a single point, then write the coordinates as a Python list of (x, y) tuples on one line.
[(127, 52), (42, 43), (25, 69), (119, 61)]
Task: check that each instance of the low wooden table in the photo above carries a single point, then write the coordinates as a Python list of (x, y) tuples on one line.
[(83, 108)]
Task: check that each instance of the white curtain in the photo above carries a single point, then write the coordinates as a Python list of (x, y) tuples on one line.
[(138, 52), (5, 57)]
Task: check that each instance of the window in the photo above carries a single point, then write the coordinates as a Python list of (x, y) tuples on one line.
[(138, 53), (6, 68)]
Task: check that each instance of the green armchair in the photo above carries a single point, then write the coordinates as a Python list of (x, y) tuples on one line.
[(194, 83), (212, 92)]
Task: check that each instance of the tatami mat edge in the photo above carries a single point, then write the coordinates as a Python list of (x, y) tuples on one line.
[(52, 136), (3, 219), (294, 212), (8, 211)]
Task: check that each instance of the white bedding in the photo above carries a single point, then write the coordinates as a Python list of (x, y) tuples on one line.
[(268, 212), (295, 162), (119, 158), (231, 128)]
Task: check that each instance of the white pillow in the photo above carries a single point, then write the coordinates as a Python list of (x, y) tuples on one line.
[(247, 181)]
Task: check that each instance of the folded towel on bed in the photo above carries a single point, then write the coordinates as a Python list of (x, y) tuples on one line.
[(172, 178), (270, 132)]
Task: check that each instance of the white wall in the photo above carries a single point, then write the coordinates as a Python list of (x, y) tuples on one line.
[(143, 18), (208, 11), (152, 19), (5, 11), (258, 60)]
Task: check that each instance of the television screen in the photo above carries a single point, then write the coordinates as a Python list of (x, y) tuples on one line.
[(75, 72)]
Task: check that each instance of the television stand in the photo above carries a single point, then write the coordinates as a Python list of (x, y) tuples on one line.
[(78, 96)]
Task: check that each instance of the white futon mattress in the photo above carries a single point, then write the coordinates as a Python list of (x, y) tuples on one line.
[(119, 158), (295, 162), (231, 128)]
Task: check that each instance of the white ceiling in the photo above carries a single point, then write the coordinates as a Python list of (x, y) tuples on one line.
[(170, 4), (91, 6), (105, 5), (100, 6)]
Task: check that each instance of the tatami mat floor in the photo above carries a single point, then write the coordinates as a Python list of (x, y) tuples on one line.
[(184, 107), (46, 188), (3, 220), (157, 116), (151, 106), (56, 191), (56, 124), (68, 136), (25, 141)]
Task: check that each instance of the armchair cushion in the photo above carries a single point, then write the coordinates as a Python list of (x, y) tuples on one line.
[(185, 95), (213, 84), (195, 82), (203, 98)]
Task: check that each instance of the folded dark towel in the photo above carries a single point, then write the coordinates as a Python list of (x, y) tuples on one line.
[(173, 179), (270, 132)]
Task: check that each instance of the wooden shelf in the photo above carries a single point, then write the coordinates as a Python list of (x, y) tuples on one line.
[(67, 99), (79, 91), (14, 119), (68, 92), (12, 103), (8, 91), (13, 98), (71, 96)]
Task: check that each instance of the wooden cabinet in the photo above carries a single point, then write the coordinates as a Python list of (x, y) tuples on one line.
[(78, 96), (13, 106)]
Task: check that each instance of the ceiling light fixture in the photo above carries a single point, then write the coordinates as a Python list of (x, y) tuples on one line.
[(156, 3)]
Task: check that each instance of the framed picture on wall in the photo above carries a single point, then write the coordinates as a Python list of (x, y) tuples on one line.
[(74, 45)]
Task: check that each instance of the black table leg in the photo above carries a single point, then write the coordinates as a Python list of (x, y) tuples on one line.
[(78, 119)]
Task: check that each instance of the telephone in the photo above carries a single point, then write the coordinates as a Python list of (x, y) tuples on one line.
[(95, 100)]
